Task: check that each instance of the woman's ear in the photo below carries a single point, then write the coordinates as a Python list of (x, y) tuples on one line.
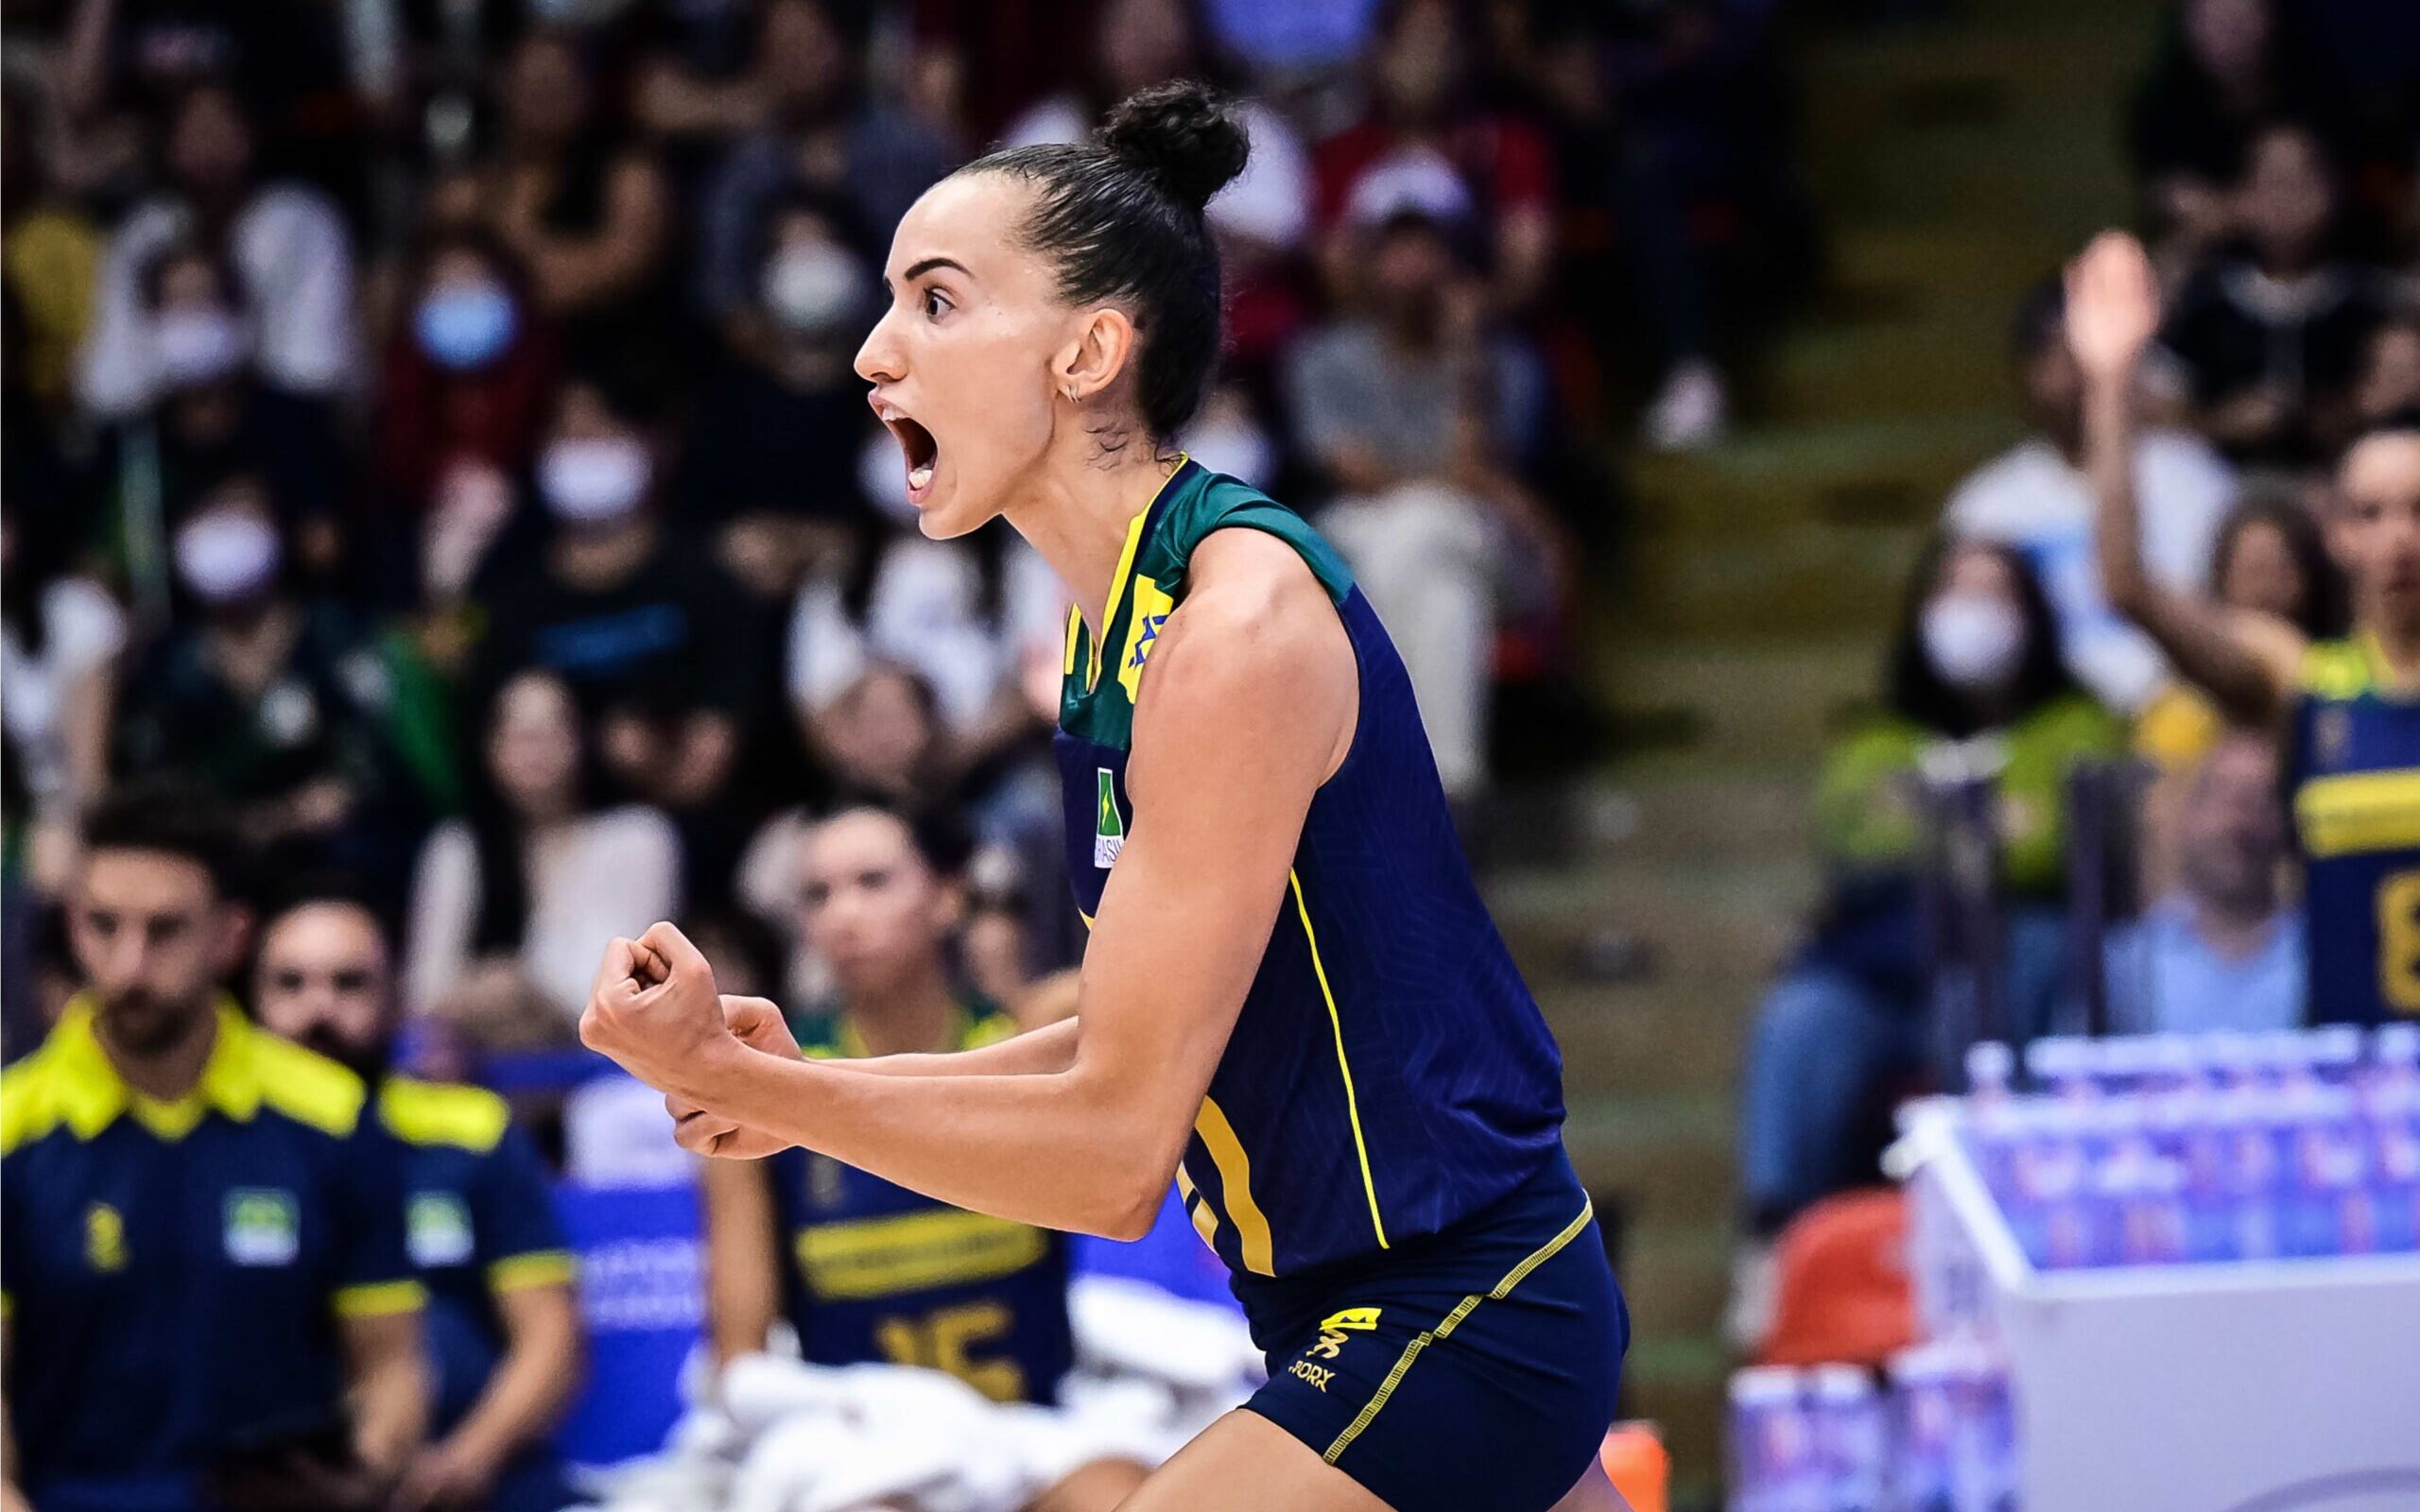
[(1086, 365)]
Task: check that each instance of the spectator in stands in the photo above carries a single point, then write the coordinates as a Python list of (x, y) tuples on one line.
[(1261, 220), (809, 122), (2270, 560), (2264, 348), (880, 901), (1412, 411), (209, 1301), (470, 372), (60, 634), (50, 256), (537, 872), (1422, 126), (1974, 689), (655, 641), (284, 704), (2390, 379), (589, 215), (292, 302), (209, 417), (769, 464), (2224, 951), (503, 1332), (2226, 69), (2035, 497)]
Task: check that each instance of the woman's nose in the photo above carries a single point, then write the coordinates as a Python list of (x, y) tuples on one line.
[(878, 359)]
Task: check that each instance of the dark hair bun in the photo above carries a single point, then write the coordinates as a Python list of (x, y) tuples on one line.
[(1180, 135)]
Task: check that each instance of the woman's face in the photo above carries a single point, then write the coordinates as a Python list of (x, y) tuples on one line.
[(2262, 574), (965, 358), (533, 748), (1981, 573), (2374, 530), (2230, 37), (1973, 625)]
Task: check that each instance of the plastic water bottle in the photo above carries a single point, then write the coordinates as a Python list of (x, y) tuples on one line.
[(1983, 1460), (1923, 1417), (2256, 1170), (1852, 1438), (2329, 1206), (2047, 1210), (1991, 1071), (2394, 1132), (2060, 1065), (2171, 1063), (2230, 1061), (1774, 1466), (2187, 1133), (2334, 1053)]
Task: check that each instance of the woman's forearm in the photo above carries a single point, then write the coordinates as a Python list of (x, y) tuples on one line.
[(1042, 1053), (1065, 1149)]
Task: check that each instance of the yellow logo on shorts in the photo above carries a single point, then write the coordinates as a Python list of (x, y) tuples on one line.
[(1332, 1331), (1319, 1376), (104, 1237)]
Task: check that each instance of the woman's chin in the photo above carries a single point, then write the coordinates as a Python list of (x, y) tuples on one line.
[(950, 513)]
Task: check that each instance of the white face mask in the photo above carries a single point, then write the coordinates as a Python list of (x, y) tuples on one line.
[(811, 287), (225, 557), (592, 482), (1975, 641), (194, 347)]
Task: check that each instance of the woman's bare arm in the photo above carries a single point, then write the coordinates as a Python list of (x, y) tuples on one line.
[(1250, 702), (2248, 663)]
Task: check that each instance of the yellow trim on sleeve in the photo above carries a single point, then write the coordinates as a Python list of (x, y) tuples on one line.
[(381, 1298), (1352, 1103), (539, 1267), (1235, 1181), (427, 1113), (1453, 1320)]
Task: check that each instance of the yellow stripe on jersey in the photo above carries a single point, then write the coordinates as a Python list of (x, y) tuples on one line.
[(1452, 1321), (380, 1299), (2360, 813), (1235, 1180), (1075, 627), (879, 1256), (1116, 592), (539, 1267), (1352, 1103), (1197, 1207)]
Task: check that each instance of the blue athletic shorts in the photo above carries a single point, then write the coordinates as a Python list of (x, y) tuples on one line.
[(1472, 1371)]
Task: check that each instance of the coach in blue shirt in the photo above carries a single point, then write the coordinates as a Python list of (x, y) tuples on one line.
[(201, 1250), (504, 1334)]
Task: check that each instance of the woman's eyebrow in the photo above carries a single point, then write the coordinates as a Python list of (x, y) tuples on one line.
[(917, 269)]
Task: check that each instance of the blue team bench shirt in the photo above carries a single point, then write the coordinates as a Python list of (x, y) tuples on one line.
[(479, 1221), (174, 1271)]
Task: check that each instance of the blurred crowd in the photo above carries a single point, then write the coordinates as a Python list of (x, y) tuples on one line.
[(444, 531), (2276, 150), (432, 424)]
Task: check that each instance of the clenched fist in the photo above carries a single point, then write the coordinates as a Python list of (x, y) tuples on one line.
[(655, 1012)]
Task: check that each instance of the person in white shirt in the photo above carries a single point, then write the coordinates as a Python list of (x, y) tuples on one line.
[(286, 243), (2035, 497), (534, 876)]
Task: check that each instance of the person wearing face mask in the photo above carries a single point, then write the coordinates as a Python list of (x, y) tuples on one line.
[(212, 417), (802, 120), (293, 305), (651, 636), (470, 372), (284, 706), (1974, 682), (765, 464)]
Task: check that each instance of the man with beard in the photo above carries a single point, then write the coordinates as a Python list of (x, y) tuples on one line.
[(504, 1331), (201, 1251)]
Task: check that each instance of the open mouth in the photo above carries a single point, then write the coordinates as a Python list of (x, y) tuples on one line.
[(916, 444)]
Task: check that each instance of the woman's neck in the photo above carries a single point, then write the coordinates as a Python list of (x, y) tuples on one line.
[(1077, 513), (2397, 645), (912, 1019)]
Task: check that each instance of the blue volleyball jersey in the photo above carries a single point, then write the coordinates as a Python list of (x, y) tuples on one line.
[(175, 1272), (1388, 1074), (2354, 770), (876, 1273)]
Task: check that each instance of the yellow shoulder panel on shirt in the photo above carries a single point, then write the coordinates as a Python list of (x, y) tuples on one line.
[(426, 1112), (307, 1086), (2337, 669), (28, 1110)]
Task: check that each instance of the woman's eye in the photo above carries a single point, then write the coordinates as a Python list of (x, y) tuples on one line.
[(934, 304)]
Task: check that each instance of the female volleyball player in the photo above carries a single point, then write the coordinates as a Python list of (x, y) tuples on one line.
[(2349, 710), (1293, 1001)]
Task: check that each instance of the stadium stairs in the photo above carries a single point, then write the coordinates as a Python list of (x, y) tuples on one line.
[(1954, 163)]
